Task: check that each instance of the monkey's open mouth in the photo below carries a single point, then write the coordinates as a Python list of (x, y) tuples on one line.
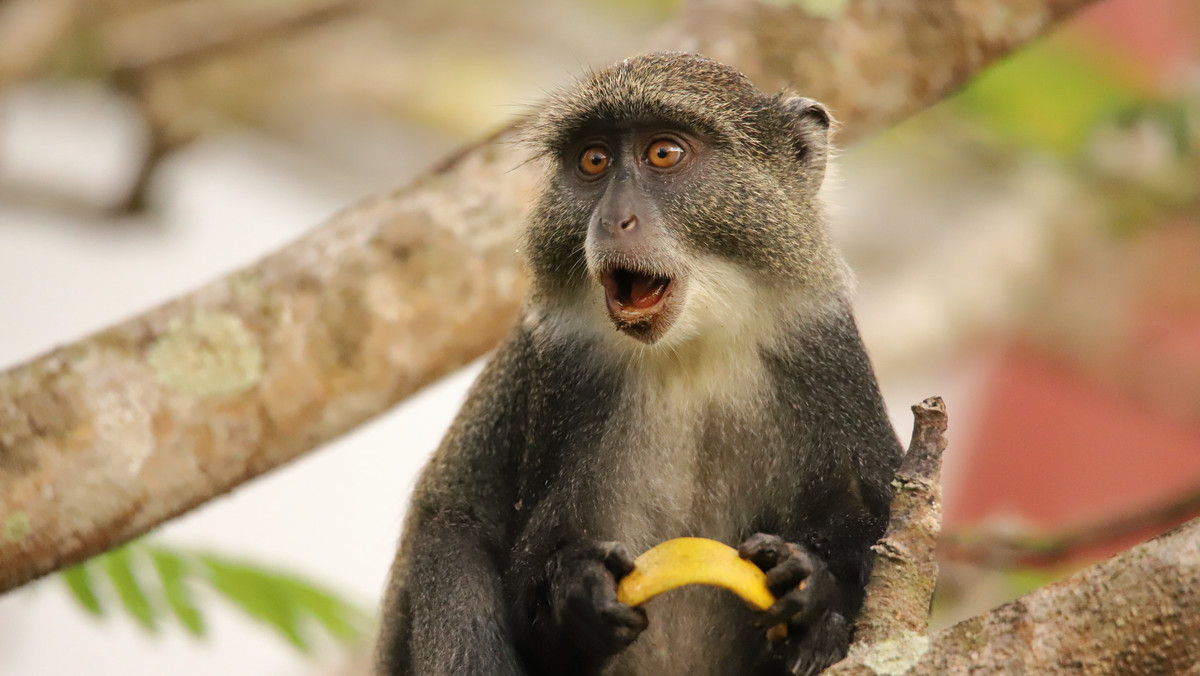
[(632, 290), (637, 300)]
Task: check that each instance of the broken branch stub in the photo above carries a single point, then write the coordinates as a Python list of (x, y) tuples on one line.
[(905, 573)]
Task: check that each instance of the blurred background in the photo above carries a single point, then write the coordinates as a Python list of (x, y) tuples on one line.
[(1028, 249)]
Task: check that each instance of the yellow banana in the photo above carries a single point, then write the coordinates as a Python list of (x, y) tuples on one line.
[(684, 561)]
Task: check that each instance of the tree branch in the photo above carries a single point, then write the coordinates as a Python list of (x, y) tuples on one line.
[(104, 439), (1007, 550), (906, 571), (187, 31), (1136, 613), (30, 30), (875, 62)]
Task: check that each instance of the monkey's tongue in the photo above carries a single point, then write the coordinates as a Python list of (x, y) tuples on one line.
[(645, 291), (634, 290)]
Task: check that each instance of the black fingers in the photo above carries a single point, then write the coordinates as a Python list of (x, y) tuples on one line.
[(804, 590), (805, 601), (617, 559), (799, 607), (627, 622), (584, 598), (596, 622), (764, 551), (789, 573), (800, 581)]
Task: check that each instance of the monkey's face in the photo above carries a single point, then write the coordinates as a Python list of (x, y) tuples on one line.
[(679, 198), (669, 230), (631, 243)]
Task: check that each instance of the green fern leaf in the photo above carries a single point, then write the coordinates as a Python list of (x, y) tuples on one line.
[(119, 565), (79, 581), (343, 621), (173, 571), (252, 590), (286, 603)]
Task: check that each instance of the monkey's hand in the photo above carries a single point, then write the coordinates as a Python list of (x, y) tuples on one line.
[(804, 588), (583, 581)]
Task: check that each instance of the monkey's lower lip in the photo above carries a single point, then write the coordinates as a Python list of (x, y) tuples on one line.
[(631, 292)]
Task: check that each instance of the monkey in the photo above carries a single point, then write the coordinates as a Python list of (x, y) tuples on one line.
[(687, 363)]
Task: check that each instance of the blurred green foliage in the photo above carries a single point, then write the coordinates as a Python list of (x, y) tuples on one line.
[(822, 8), (1022, 581), (152, 583), (655, 10), (1049, 96)]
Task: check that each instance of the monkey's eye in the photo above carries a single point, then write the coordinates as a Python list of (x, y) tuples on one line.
[(594, 160), (664, 154)]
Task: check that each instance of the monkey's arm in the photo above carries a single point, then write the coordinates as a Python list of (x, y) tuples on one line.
[(843, 503), (445, 612), (561, 579), (848, 424)]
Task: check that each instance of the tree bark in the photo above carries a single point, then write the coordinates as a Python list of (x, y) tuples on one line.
[(902, 582), (106, 438), (1136, 613), (874, 62)]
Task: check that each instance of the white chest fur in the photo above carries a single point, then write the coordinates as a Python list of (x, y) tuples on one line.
[(694, 447), (690, 447), (689, 451), (692, 458)]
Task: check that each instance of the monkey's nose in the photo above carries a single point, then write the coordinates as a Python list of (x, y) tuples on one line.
[(624, 226), (622, 229)]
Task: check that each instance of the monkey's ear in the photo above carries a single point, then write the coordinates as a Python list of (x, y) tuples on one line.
[(810, 123)]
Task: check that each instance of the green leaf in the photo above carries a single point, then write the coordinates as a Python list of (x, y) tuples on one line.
[(173, 570), (286, 603), (79, 581), (252, 590), (343, 621), (119, 566)]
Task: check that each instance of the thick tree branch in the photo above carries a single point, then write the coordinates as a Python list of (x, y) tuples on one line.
[(167, 34), (30, 30), (106, 438), (1136, 613), (875, 62), (191, 30)]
